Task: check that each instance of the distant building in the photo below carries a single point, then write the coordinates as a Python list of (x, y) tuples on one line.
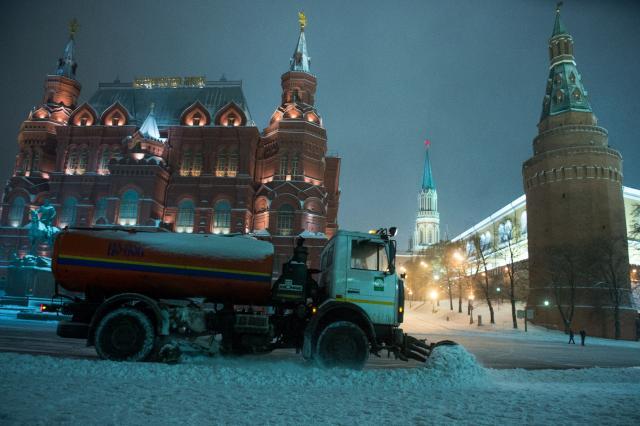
[(427, 228), (183, 153)]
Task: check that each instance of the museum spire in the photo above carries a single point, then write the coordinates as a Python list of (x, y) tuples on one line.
[(67, 64), (300, 61)]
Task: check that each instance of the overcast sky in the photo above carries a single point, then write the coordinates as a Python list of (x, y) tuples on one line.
[(468, 75)]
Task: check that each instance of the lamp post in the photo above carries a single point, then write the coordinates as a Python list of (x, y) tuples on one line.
[(470, 307), (434, 295)]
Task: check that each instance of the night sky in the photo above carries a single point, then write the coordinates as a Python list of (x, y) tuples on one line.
[(468, 75)]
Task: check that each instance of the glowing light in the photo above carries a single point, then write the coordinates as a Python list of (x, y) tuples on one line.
[(506, 269), (457, 256), (314, 310), (138, 155), (634, 271), (400, 309), (423, 264), (472, 296), (436, 277), (433, 294), (498, 289), (546, 303)]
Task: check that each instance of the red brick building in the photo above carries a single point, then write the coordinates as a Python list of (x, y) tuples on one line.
[(177, 152)]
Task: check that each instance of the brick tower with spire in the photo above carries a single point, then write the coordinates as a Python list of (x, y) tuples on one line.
[(578, 258), (427, 229)]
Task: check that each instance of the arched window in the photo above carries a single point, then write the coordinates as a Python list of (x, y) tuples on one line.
[(72, 160), (523, 223), (221, 164), (222, 217), (285, 220), (68, 214), (196, 167), (129, 208), (105, 157), (83, 158), (283, 165), (16, 214), (294, 165), (185, 165), (430, 236), (421, 236), (35, 164), (233, 165), (186, 213), (100, 212)]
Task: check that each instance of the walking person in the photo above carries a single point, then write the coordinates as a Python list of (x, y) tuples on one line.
[(583, 335), (571, 337)]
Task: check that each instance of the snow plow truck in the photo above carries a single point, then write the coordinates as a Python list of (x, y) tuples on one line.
[(137, 293)]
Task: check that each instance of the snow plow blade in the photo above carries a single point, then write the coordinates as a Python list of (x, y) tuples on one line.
[(419, 350)]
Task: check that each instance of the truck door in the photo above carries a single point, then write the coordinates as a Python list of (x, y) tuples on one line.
[(369, 284)]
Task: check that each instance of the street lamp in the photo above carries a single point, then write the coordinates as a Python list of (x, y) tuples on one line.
[(546, 303), (433, 295), (470, 307)]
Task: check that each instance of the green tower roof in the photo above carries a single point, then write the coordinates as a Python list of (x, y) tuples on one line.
[(565, 90)]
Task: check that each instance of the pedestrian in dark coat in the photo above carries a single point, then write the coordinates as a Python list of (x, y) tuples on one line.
[(571, 337), (583, 335)]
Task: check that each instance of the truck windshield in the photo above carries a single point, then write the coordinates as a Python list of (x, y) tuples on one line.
[(369, 256)]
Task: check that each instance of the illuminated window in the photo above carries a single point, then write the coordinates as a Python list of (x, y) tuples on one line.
[(83, 121), (222, 217), (82, 161), (129, 208), (285, 220), (283, 165), (196, 168), (68, 214), (233, 165), (523, 223), (196, 119), (72, 160), (115, 120), (231, 120), (16, 213), (576, 95), (221, 164), (103, 164), (572, 78), (185, 166), (186, 213)]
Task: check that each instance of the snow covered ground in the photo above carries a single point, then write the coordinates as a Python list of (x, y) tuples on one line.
[(451, 389)]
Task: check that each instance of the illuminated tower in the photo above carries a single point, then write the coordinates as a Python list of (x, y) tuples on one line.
[(427, 230), (576, 220)]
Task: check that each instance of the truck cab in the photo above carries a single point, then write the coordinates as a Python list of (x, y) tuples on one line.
[(361, 303), (359, 268)]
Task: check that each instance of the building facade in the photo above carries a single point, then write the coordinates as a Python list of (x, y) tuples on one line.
[(427, 228), (180, 153)]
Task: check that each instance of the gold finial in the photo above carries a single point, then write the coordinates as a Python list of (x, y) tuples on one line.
[(302, 19), (73, 27), (558, 6)]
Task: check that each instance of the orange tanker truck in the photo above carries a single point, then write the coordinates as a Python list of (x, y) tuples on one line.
[(138, 294)]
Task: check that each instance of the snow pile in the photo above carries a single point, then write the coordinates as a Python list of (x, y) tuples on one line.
[(455, 364), (46, 390)]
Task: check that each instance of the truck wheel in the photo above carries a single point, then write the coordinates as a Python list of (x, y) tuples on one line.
[(125, 334), (342, 344)]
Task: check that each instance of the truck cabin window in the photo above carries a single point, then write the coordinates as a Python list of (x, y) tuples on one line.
[(369, 256)]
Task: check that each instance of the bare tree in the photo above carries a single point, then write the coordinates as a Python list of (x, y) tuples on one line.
[(563, 275), (481, 260), (511, 275), (610, 266)]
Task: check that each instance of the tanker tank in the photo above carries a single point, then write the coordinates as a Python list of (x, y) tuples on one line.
[(223, 268)]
